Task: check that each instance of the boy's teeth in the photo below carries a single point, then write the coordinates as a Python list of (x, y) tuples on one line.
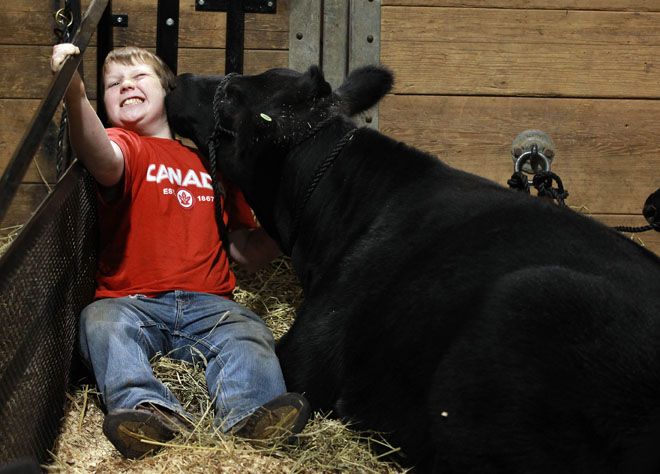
[(132, 101)]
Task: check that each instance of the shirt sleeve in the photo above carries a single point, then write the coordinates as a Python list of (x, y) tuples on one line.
[(129, 143)]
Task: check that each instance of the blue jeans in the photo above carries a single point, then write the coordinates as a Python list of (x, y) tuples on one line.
[(118, 337)]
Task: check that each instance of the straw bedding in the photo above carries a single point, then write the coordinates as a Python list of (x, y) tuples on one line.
[(326, 444)]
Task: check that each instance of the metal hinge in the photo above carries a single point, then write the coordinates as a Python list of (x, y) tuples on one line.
[(250, 6)]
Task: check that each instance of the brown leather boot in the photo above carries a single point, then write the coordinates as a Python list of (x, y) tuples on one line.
[(281, 417), (132, 431)]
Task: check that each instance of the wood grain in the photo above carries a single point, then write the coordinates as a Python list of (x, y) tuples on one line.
[(522, 52), (16, 83), (612, 5), (16, 115), (31, 23), (606, 150), (27, 200)]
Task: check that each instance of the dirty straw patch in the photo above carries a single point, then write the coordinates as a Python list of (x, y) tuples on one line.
[(326, 445)]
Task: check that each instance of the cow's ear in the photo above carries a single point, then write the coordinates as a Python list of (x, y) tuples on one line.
[(363, 88), (319, 87)]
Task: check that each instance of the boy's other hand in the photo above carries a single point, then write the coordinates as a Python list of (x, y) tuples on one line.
[(60, 53)]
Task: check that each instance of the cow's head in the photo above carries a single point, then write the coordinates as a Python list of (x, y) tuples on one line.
[(269, 110), (190, 108), (258, 119)]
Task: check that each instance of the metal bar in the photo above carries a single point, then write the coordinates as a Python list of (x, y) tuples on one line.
[(335, 41), (235, 37), (66, 150), (104, 45), (305, 18), (44, 213), (249, 6), (167, 32), (364, 46), (20, 160), (76, 9)]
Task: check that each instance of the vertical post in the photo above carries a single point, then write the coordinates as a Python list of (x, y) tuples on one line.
[(305, 17), (64, 151), (364, 45), (76, 11), (235, 37), (167, 32), (104, 42), (335, 41)]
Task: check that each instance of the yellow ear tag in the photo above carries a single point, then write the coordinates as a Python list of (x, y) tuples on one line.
[(265, 117)]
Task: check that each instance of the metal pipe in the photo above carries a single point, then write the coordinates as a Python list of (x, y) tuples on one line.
[(105, 43), (167, 32), (235, 37)]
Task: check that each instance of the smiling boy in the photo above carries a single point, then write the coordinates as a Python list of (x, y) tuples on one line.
[(164, 283)]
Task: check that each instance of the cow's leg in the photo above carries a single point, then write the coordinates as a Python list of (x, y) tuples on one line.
[(309, 354)]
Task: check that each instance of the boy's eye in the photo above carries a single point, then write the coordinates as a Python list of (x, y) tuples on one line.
[(113, 84)]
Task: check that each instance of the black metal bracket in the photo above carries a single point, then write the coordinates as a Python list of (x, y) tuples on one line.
[(104, 43), (120, 20), (249, 6), (167, 33), (235, 38)]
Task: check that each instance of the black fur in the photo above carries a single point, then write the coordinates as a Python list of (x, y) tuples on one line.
[(485, 331)]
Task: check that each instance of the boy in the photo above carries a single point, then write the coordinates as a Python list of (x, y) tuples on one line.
[(164, 282)]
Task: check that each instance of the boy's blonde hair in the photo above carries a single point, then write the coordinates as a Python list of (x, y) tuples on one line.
[(130, 55)]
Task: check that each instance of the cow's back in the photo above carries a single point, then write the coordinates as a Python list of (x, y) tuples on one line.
[(528, 327)]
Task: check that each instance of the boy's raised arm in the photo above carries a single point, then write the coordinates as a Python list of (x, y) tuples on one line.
[(102, 158)]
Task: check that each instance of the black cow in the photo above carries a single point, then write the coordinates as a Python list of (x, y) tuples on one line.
[(484, 330)]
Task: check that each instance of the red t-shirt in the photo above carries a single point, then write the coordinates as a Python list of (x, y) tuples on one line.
[(161, 234)]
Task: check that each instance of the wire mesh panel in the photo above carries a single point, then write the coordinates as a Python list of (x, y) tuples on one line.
[(46, 278)]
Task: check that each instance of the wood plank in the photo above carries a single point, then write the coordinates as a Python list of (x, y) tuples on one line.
[(612, 5), (27, 23), (606, 149), (486, 25), (31, 23), (26, 201), (26, 71), (512, 70), (212, 61), (522, 52), (207, 29), (15, 117), (15, 83)]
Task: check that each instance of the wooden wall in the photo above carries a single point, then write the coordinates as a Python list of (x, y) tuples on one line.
[(470, 75), (25, 76)]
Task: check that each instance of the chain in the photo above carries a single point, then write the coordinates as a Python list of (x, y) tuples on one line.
[(63, 31), (63, 21)]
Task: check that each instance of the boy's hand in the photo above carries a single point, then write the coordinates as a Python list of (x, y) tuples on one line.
[(60, 53)]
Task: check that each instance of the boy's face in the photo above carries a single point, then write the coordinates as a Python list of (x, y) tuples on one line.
[(134, 98)]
